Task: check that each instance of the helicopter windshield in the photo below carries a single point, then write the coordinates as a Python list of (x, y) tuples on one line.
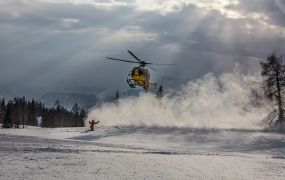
[(139, 71)]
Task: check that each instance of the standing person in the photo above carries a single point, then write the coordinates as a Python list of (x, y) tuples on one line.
[(92, 124)]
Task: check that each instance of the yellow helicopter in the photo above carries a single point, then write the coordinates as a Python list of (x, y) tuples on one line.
[(139, 76)]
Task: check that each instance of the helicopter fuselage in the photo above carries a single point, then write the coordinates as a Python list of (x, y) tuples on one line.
[(139, 77)]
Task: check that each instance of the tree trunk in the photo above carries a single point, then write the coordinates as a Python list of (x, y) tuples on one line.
[(279, 99)]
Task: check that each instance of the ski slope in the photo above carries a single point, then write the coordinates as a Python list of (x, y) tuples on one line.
[(140, 152)]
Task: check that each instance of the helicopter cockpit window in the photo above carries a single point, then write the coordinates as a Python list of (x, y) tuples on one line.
[(133, 72), (137, 71), (140, 72)]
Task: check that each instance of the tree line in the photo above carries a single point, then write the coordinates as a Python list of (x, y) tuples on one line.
[(20, 112)]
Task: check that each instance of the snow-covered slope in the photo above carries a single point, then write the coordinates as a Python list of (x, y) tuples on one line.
[(141, 153), (68, 100)]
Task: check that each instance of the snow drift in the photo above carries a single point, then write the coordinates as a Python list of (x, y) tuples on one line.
[(225, 101)]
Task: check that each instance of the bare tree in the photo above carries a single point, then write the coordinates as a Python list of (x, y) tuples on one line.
[(273, 73)]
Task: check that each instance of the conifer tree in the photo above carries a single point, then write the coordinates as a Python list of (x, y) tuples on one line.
[(82, 117), (159, 94), (7, 122), (273, 72), (32, 115), (2, 110), (57, 105), (75, 109)]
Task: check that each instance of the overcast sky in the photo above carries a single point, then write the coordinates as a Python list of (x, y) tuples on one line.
[(61, 45)]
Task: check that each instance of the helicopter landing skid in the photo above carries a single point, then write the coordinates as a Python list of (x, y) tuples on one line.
[(131, 84)]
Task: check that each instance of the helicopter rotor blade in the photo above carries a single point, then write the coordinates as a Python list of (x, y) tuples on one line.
[(130, 52), (152, 68), (162, 64), (114, 59)]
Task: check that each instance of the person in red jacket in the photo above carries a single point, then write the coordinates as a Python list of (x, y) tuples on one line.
[(92, 124)]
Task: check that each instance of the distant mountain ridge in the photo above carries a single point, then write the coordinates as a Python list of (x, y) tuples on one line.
[(5, 94), (68, 100)]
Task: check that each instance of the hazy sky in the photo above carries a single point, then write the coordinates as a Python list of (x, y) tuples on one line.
[(61, 45)]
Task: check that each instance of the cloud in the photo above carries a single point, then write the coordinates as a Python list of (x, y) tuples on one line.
[(48, 45)]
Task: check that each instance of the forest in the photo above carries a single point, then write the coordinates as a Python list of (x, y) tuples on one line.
[(20, 112)]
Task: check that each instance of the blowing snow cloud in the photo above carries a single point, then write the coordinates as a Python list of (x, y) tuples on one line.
[(225, 101)]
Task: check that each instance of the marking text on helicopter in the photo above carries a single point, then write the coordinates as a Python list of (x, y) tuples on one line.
[(139, 76)]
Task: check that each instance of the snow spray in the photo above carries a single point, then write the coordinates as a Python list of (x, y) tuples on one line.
[(224, 101)]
